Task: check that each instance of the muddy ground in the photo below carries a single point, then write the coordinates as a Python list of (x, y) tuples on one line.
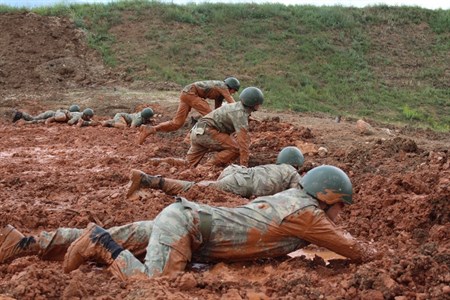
[(63, 176)]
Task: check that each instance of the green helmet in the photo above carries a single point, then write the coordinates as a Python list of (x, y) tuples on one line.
[(292, 156), (251, 96), (328, 184), (74, 108), (88, 112), (147, 113), (232, 83)]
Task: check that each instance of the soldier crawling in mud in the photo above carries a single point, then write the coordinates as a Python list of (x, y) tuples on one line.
[(59, 114), (124, 120), (184, 231), (79, 119), (257, 181), (194, 96), (225, 130)]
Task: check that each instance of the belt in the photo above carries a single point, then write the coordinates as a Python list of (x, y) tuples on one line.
[(205, 225)]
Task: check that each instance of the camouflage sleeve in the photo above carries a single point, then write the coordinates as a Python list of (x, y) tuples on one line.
[(311, 224), (136, 122), (73, 119)]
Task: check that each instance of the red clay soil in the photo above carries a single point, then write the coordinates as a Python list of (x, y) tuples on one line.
[(63, 176)]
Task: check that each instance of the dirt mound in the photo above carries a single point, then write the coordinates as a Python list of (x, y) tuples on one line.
[(62, 176), (44, 52)]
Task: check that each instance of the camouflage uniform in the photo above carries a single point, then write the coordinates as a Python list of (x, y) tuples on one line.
[(132, 120), (213, 133), (134, 236), (58, 114), (257, 181), (194, 96), (269, 226), (73, 118)]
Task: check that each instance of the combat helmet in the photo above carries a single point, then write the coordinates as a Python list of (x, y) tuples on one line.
[(233, 83), (328, 184), (88, 112), (74, 108), (292, 156), (147, 113), (251, 96)]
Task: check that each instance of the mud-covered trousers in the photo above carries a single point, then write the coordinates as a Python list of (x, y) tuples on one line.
[(228, 183), (43, 116), (176, 235), (211, 141), (134, 237), (187, 102)]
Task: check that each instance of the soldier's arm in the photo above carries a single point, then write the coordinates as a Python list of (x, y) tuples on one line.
[(136, 122), (227, 96), (312, 225), (73, 120)]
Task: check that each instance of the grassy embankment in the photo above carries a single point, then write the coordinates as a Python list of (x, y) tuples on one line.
[(390, 64)]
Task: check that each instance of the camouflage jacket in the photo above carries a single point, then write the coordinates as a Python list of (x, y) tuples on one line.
[(260, 180), (210, 89), (272, 226), (228, 118), (73, 117), (133, 120)]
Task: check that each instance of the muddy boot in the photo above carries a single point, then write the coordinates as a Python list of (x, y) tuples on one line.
[(139, 179), (94, 243), (14, 244), (17, 115), (145, 131)]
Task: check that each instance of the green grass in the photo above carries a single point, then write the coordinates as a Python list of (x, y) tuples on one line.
[(385, 63)]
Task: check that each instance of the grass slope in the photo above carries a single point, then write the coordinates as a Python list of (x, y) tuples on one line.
[(390, 64)]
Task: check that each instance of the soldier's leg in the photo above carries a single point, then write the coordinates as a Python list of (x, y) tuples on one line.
[(54, 244), (197, 150), (44, 115), (169, 186), (184, 107), (173, 239), (60, 116), (120, 122), (108, 123), (27, 117), (133, 236), (197, 103), (227, 147), (213, 140), (232, 184)]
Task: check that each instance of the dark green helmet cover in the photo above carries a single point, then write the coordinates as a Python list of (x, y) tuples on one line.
[(292, 156), (88, 112), (233, 83), (74, 108), (251, 96), (147, 113), (328, 184)]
